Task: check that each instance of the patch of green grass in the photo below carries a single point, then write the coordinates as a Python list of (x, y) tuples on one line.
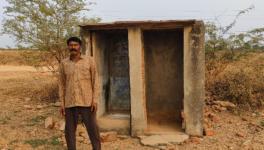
[(54, 140), (36, 142), (35, 120), (262, 123), (4, 120)]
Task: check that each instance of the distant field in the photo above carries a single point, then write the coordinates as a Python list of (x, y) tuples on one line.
[(20, 57)]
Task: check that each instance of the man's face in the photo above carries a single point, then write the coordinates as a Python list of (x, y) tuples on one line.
[(74, 48)]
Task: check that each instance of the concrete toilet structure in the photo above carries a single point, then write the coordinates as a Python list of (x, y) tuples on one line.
[(151, 75)]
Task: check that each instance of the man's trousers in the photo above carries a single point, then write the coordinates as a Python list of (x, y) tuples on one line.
[(89, 120)]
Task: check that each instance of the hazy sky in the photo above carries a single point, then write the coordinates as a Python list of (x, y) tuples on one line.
[(207, 10)]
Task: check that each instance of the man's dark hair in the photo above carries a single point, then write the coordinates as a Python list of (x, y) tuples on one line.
[(74, 39)]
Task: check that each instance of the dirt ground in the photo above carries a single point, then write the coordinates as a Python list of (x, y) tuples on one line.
[(22, 118)]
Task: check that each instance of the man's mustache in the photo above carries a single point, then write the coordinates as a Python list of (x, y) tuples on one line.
[(73, 49)]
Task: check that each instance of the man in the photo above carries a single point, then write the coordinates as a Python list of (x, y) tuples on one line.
[(78, 90)]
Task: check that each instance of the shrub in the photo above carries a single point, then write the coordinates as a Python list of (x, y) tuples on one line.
[(240, 81)]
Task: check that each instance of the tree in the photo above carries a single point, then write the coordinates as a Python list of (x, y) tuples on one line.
[(214, 40), (256, 38), (45, 24), (238, 41)]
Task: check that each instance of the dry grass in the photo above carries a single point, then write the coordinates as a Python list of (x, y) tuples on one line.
[(239, 80), (11, 58), (28, 58), (37, 86), (40, 86)]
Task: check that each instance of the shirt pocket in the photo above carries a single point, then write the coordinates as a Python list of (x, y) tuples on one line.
[(69, 69), (84, 73)]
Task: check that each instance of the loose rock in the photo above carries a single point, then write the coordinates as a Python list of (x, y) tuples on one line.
[(49, 123), (27, 107), (226, 104), (209, 132), (239, 134), (57, 104), (155, 140), (108, 136), (39, 106)]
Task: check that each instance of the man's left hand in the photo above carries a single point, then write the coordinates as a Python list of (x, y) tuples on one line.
[(94, 107)]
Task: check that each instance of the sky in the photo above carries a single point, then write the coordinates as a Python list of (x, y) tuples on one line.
[(222, 12)]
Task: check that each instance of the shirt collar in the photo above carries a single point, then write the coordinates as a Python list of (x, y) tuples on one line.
[(81, 58)]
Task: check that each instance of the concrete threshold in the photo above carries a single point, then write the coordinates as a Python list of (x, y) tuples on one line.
[(115, 122)]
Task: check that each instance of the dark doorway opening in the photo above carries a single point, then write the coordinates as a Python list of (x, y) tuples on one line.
[(164, 78), (112, 54)]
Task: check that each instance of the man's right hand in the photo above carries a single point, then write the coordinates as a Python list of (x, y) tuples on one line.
[(62, 111)]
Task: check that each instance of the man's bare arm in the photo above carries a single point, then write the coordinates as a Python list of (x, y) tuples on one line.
[(95, 83), (61, 82)]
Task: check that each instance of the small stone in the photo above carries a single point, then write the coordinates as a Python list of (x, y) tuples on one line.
[(62, 125), (171, 147), (239, 134), (226, 104), (244, 119), (209, 132), (108, 136), (207, 125), (27, 99), (84, 135), (163, 147), (195, 140), (49, 123), (246, 143), (60, 139), (81, 131), (33, 132), (223, 108), (39, 106), (215, 107), (206, 120), (213, 117), (258, 129), (80, 139), (27, 107), (86, 141), (57, 104)]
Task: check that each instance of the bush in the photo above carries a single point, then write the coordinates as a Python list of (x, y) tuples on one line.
[(240, 81), (233, 86), (48, 92), (35, 86)]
